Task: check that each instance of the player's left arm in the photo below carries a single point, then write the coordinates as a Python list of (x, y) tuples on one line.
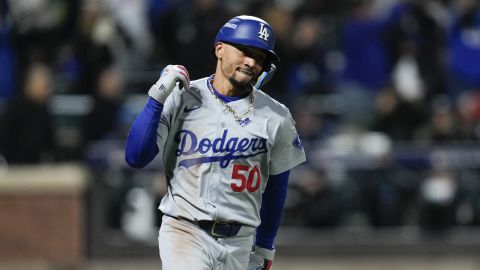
[(287, 152), (273, 201)]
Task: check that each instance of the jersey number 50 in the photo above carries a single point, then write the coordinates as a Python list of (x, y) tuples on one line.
[(249, 178)]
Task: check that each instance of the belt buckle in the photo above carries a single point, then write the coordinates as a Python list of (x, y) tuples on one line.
[(215, 223)]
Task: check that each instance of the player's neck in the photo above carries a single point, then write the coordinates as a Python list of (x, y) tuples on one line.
[(223, 86)]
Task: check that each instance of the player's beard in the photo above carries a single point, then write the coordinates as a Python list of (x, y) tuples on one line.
[(240, 85)]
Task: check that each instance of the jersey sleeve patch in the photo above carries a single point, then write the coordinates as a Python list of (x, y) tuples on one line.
[(297, 143)]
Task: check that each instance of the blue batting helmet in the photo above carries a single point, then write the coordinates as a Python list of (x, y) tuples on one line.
[(249, 31)]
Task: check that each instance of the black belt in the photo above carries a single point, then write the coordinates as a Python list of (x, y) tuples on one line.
[(215, 228)]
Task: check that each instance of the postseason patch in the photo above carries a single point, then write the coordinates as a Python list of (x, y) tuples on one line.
[(297, 143)]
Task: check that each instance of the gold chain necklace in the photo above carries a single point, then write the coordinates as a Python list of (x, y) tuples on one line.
[(241, 120)]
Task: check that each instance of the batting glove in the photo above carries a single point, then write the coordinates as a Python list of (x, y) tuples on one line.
[(261, 259), (265, 77), (169, 77)]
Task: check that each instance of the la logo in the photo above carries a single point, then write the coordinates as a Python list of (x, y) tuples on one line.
[(263, 33)]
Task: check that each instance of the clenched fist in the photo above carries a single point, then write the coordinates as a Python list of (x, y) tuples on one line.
[(169, 77)]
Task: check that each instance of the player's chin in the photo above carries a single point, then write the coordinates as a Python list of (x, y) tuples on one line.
[(241, 84)]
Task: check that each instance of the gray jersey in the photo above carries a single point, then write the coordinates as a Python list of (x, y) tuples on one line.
[(216, 168)]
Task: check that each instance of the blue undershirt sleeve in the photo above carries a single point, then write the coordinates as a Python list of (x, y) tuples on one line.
[(273, 200), (141, 145)]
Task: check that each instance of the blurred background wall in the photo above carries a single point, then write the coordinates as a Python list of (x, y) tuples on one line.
[(385, 94)]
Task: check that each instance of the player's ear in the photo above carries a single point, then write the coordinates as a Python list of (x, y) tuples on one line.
[(219, 49)]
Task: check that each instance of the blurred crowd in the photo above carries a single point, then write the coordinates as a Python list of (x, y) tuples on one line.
[(376, 86)]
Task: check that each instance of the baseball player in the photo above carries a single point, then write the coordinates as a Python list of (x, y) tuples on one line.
[(227, 150)]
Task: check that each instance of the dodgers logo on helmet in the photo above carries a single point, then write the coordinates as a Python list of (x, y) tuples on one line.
[(263, 33)]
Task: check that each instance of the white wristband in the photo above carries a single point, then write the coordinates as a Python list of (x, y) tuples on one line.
[(157, 94)]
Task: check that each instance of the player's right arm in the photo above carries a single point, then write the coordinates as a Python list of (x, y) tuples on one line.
[(141, 145)]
